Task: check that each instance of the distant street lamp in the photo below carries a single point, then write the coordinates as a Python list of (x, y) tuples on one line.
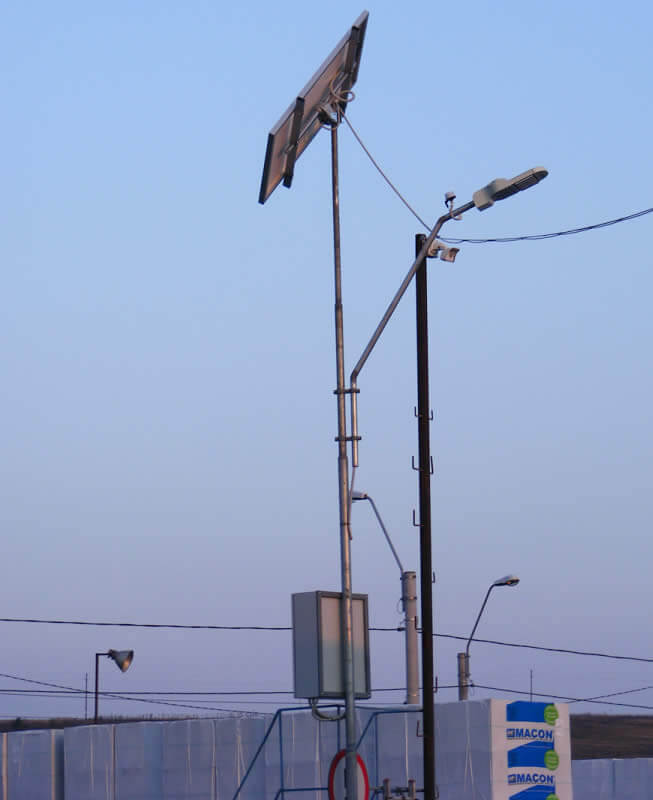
[(463, 658), (123, 659), (409, 606)]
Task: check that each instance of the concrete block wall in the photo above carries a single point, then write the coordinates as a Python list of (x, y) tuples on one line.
[(205, 759)]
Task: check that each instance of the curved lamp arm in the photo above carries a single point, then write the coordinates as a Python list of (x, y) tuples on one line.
[(507, 580)]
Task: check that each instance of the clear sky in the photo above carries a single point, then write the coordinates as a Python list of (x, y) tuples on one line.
[(167, 361)]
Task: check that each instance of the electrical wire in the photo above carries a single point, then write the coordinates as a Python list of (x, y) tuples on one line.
[(566, 651), (151, 625), (146, 696), (550, 649), (540, 236), (562, 697), (382, 173), (495, 239), (612, 694), (78, 692)]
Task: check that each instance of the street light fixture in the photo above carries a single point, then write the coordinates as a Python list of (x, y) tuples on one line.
[(123, 660), (498, 189), (482, 199), (409, 606), (463, 658)]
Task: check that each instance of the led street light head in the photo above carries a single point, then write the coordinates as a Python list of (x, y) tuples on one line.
[(501, 188)]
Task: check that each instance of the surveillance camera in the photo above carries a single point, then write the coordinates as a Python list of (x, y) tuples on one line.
[(434, 249), (449, 254), (449, 197), (441, 251)]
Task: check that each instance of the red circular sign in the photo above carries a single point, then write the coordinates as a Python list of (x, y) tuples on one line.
[(361, 776)]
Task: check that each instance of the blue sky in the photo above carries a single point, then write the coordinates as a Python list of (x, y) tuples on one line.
[(168, 360)]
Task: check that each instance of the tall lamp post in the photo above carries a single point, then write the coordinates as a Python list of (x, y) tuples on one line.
[(409, 606), (498, 189), (463, 658), (123, 660)]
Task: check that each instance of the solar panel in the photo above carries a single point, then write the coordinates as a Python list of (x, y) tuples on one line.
[(301, 122)]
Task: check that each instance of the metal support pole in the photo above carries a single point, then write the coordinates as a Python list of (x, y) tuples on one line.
[(97, 670), (426, 569), (409, 602), (351, 783), (408, 605), (463, 676)]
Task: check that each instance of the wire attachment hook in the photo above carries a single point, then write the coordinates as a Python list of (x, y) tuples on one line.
[(449, 198)]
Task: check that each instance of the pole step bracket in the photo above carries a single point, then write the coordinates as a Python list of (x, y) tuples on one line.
[(417, 468), (431, 417)]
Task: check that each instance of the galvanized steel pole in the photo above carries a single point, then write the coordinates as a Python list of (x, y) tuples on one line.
[(409, 601), (351, 783), (408, 605)]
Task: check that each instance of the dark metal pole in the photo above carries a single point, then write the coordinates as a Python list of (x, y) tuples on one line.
[(97, 669), (426, 568), (463, 676)]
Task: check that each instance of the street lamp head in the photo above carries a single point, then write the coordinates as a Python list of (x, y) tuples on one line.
[(123, 658), (501, 188), (507, 580)]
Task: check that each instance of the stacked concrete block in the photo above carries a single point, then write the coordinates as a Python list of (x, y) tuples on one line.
[(89, 762), (189, 760), (138, 766), (613, 779), (236, 742), (33, 767), (502, 750)]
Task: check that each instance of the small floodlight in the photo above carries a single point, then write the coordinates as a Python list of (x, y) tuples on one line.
[(501, 188), (123, 658)]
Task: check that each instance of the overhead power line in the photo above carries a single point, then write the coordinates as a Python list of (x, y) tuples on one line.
[(58, 690), (112, 695), (564, 698), (536, 237), (495, 239), (156, 625), (151, 625), (567, 651)]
